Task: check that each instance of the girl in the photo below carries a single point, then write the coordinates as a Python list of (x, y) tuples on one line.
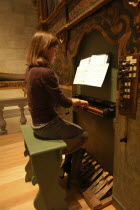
[(44, 94)]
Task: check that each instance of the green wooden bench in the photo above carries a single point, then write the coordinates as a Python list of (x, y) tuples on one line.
[(44, 168)]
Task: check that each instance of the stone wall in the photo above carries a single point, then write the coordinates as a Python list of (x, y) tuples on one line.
[(18, 20)]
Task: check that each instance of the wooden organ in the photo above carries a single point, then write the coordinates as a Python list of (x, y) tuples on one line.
[(100, 111), (106, 26)]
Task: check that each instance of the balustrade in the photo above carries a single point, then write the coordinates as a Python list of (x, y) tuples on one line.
[(20, 102)]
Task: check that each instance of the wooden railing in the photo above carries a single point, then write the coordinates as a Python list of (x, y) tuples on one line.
[(20, 102)]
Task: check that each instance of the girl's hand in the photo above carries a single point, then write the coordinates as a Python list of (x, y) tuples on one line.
[(78, 102), (84, 103)]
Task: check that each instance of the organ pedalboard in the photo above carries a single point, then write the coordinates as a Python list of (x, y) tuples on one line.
[(128, 77)]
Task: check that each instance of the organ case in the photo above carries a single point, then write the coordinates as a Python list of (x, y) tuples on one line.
[(118, 22)]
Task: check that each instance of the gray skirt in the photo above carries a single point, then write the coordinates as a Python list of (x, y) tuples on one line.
[(73, 135)]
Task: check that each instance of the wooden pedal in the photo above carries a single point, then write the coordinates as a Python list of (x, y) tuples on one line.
[(96, 174), (102, 184), (109, 179), (98, 187), (91, 200), (86, 159), (89, 173), (106, 201), (102, 176), (104, 191), (97, 195), (86, 164)]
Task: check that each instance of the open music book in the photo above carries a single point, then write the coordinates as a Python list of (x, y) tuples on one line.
[(92, 71)]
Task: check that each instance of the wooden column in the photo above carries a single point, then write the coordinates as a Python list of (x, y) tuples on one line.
[(22, 118), (2, 122)]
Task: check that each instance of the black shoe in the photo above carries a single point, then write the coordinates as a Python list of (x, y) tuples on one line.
[(66, 168), (80, 182)]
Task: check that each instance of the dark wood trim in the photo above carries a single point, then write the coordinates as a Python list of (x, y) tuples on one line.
[(77, 20), (53, 15), (44, 7), (21, 84), (130, 6), (66, 87), (83, 16), (12, 85)]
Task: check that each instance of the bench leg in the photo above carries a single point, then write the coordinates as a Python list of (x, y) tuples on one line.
[(47, 171), (28, 167)]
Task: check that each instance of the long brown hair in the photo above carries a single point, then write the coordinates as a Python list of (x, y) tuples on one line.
[(40, 43)]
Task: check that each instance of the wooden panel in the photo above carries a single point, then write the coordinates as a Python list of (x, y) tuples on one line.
[(58, 22), (79, 7)]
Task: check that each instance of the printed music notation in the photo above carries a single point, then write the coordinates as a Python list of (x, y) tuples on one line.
[(92, 70)]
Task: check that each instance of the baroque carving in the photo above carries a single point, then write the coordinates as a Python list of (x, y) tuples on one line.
[(134, 7), (64, 38), (63, 68), (76, 8), (114, 24), (58, 22), (134, 3)]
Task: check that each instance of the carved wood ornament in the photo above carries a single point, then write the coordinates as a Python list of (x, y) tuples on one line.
[(134, 3), (116, 22)]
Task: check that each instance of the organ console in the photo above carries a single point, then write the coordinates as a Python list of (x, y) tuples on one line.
[(103, 109), (128, 76)]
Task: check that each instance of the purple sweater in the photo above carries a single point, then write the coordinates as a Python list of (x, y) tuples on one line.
[(44, 94)]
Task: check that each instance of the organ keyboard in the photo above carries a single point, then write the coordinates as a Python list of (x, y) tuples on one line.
[(101, 108)]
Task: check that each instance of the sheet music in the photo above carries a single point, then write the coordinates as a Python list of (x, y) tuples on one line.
[(92, 71), (99, 59), (84, 62)]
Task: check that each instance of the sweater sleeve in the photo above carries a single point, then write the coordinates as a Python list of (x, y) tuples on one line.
[(51, 85)]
